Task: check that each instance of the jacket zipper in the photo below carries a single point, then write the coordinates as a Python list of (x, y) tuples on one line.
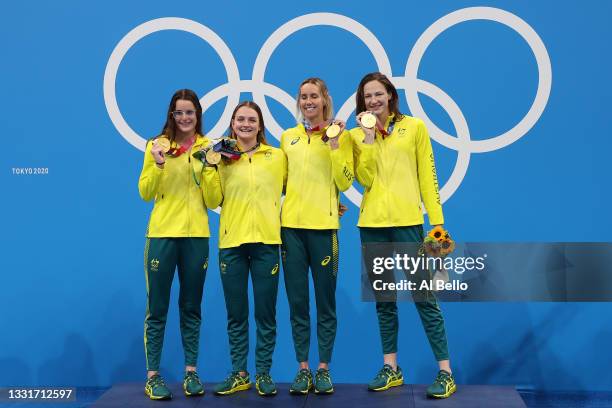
[(332, 184), (304, 167), (330, 198), (385, 160), (251, 188), (189, 194)]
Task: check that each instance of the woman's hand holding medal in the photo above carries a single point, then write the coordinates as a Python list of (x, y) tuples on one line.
[(367, 123), (208, 156), (212, 157), (224, 148), (333, 131), (160, 146)]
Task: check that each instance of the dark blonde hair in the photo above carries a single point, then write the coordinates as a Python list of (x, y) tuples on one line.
[(382, 78), (169, 128), (261, 135), (328, 107)]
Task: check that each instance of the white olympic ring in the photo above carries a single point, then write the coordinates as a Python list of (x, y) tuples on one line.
[(153, 26), (299, 23), (410, 83), (544, 77)]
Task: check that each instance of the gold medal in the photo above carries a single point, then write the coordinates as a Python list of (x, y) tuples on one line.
[(368, 120), (164, 143), (332, 131), (213, 157)]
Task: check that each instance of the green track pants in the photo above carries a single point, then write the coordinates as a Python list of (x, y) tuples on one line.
[(429, 310), (162, 257), (318, 250), (263, 263)]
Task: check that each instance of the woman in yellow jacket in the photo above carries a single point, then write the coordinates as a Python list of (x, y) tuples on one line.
[(319, 168), (249, 190), (177, 236), (395, 164)]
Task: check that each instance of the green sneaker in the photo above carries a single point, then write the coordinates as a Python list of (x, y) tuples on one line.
[(386, 378), (265, 385), (234, 382), (192, 384), (302, 382), (443, 386), (156, 388), (323, 383)]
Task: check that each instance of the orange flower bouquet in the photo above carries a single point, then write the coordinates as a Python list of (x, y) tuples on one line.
[(438, 243)]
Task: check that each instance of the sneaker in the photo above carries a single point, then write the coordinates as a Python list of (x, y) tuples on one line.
[(386, 378), (302, 382), (323, 383), (443, 386), (192, 384), (234, 382), (156, 388), (265, 385)]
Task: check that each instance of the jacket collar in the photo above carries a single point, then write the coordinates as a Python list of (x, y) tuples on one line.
[(302, 129), (263, 148), (389, 119), (199, 141)]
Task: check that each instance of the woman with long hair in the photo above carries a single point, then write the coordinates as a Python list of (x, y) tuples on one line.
[(248, 186), (177, 236), (319, 168), (395, 164)]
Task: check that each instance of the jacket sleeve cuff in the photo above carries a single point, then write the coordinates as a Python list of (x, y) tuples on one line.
[(367, 150), (436, 219)]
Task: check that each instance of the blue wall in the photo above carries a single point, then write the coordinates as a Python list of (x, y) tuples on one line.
[(73, 294)]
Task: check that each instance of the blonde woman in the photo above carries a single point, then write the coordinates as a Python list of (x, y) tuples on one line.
[(319, 168)]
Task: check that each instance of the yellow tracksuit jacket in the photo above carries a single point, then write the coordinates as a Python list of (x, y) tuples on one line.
[(397, 173), (316, 174), (179, 209), (249, 192)]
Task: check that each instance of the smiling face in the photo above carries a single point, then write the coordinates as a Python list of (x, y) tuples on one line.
[(312, 103), (376, 99), (185, 117), (245, 124)]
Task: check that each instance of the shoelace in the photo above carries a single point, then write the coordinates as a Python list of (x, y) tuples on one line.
[(265, 378), (156, 380), (232, 376), (302, 376), (386, 371), (442, 378), (192, 376), (324, 374)]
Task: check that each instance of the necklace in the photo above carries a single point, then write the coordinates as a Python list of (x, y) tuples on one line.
[(251, 149), (310, 129)]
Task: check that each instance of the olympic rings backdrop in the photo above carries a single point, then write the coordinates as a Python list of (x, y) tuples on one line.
[(515, 96)]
